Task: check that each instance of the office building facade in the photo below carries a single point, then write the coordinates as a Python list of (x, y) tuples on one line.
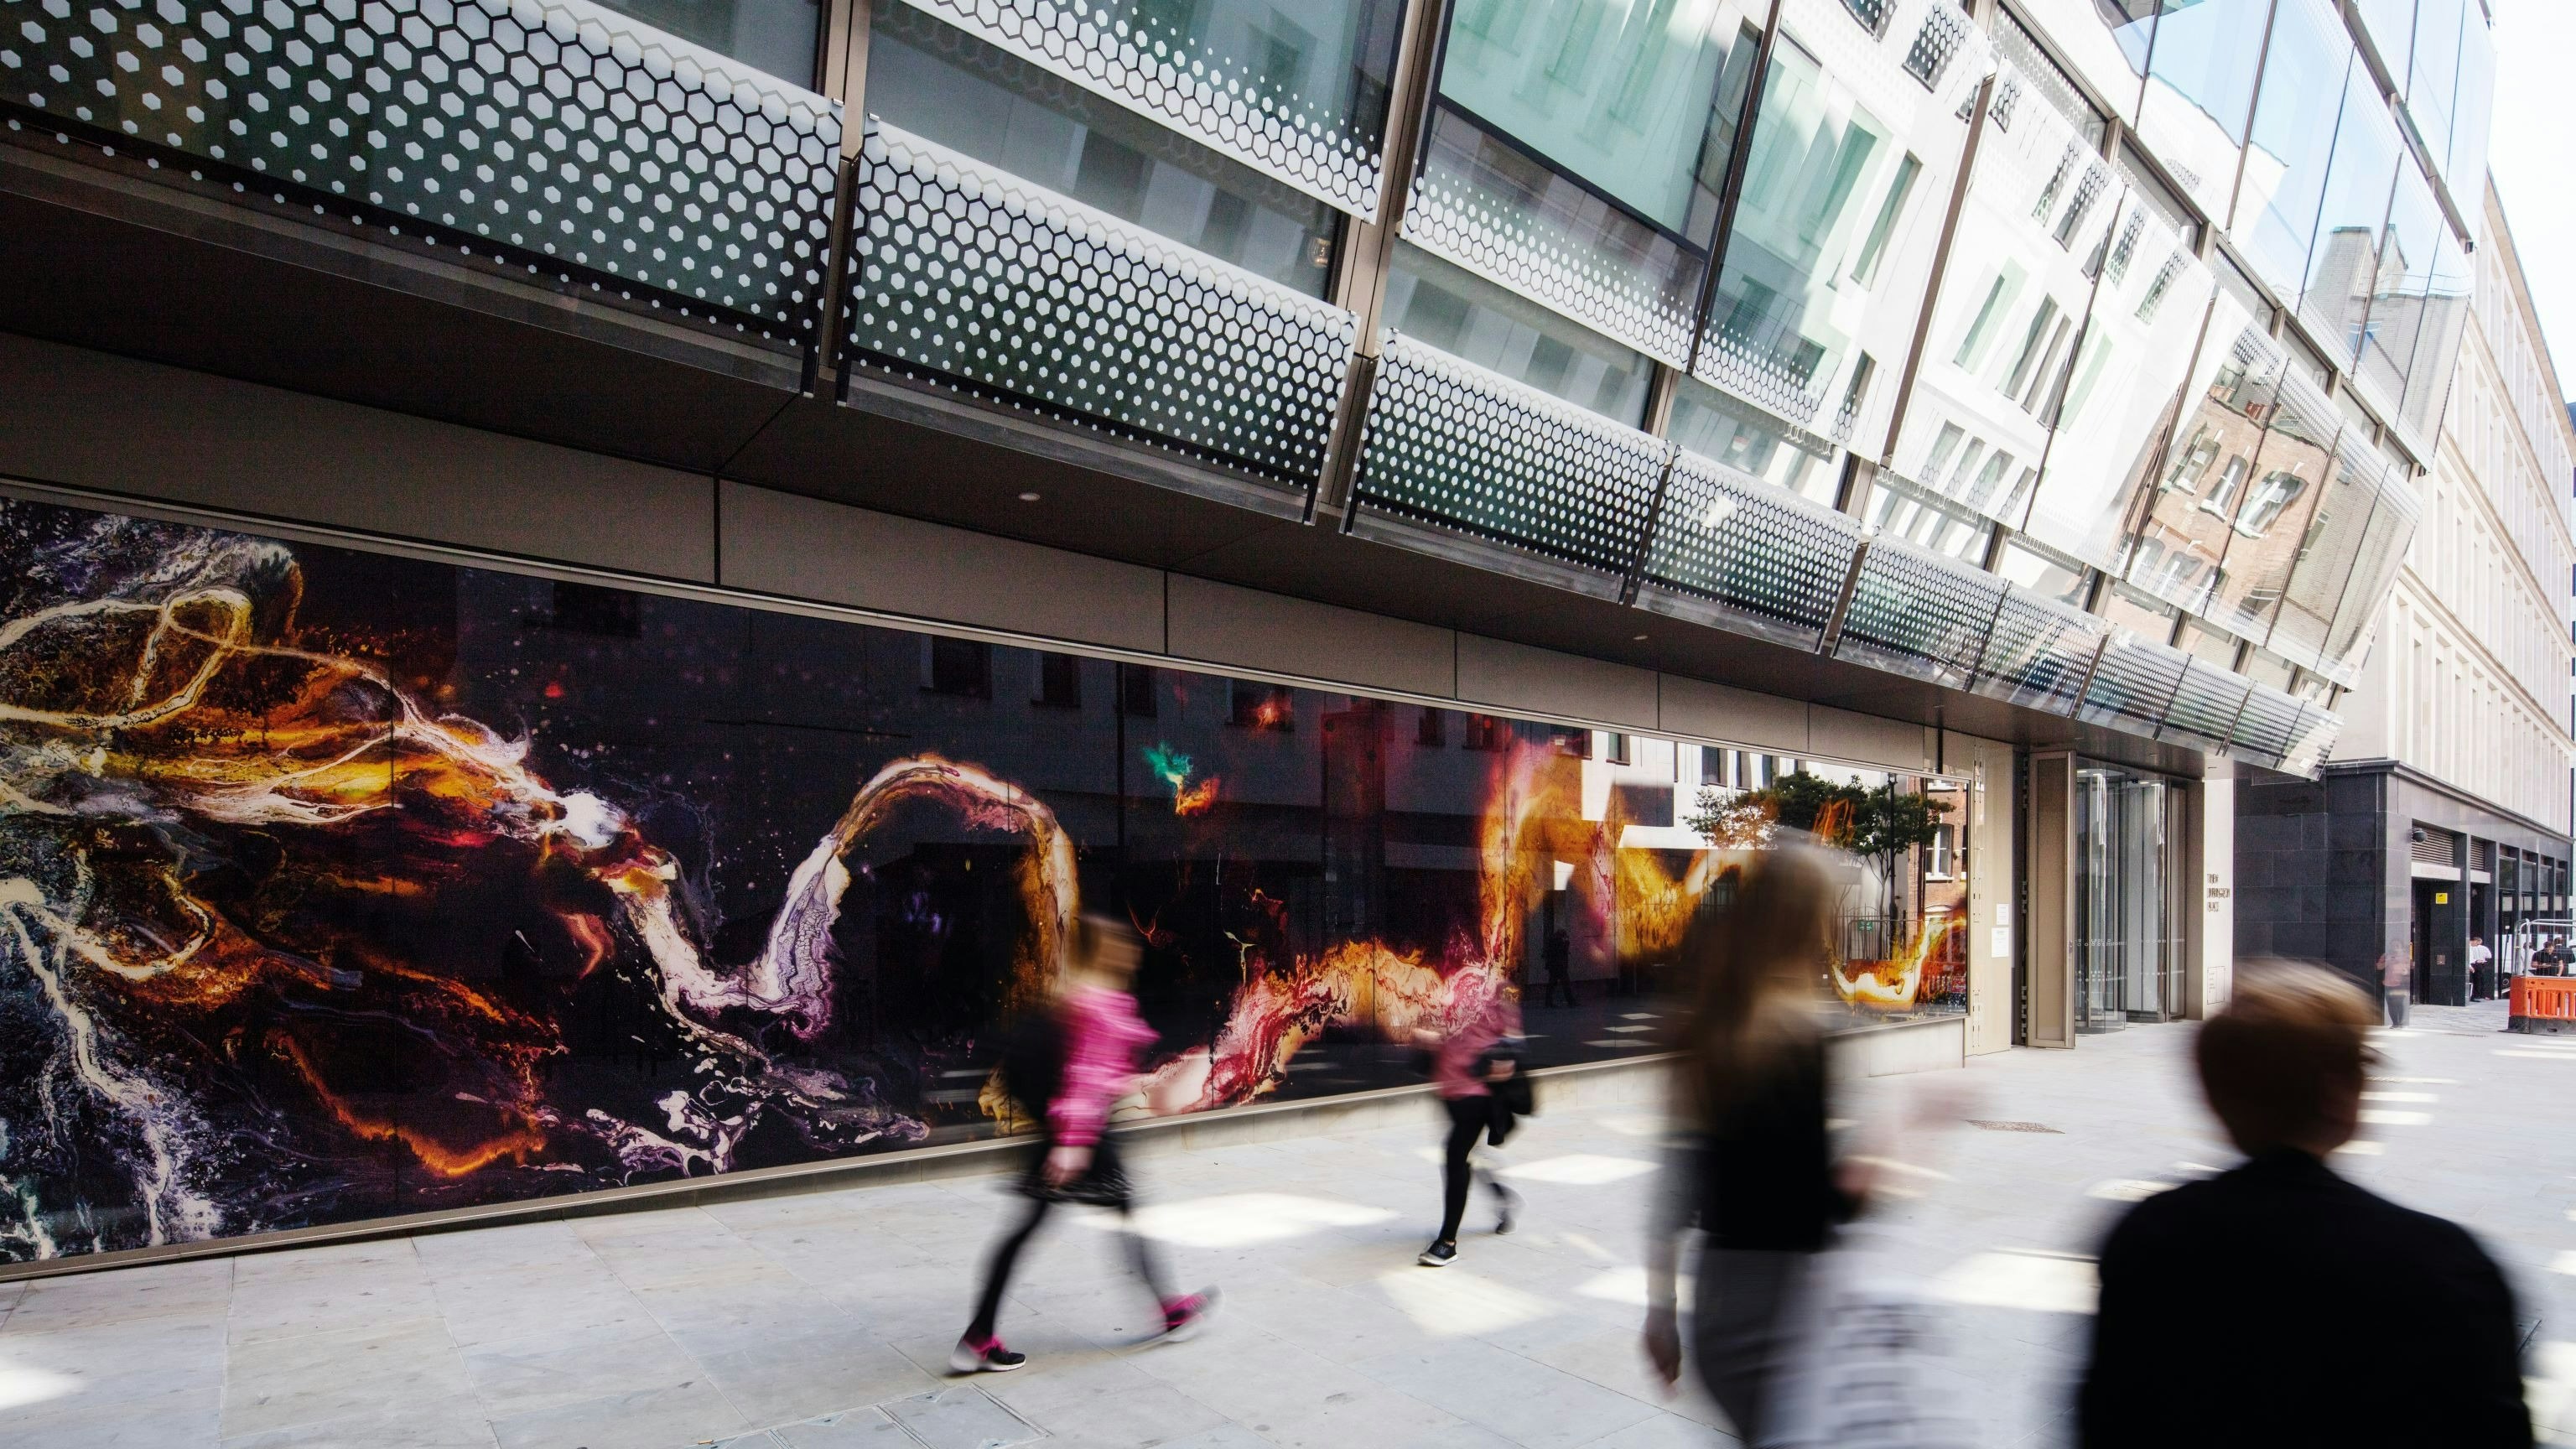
[(2442, 814), (596, 582)]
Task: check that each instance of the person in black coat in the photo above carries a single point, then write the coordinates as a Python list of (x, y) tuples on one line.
[(2278, 1304)]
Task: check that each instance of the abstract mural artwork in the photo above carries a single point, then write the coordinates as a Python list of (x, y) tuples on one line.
[(336, 885)]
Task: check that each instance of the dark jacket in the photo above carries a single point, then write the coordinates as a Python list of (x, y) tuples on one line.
[(1766, 1169), (2280, 1305)]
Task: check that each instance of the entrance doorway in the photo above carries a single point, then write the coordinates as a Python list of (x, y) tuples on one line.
[(2438, 944), (2128, 957)]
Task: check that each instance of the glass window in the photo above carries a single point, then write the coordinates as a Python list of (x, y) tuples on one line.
[(777, 36), (1617, 92), (2266, 668), (1831, 192), (2401, 291), (1926, 520), (2433, 72), (1715, 426), (2268, 517), (2375, 561), (1462, 314), (2324, 563), (2295, 111), (2208, 472), (2200, 92), (1576, 156), (943, 84), (2149, 618), (2211, 646), (2391, 24), (2044, 571), (2437, 344), (2472, 114), (2106, 41), (2351, 221), (2134, 378)]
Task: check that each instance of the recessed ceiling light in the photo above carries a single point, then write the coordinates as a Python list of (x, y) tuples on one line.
[(1028, 498)]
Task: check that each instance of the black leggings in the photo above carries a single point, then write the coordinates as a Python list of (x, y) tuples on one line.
[(1468, 1119), (997, 1274)]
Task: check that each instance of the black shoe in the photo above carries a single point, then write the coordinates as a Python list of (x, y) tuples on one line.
[(1438, 1255), (985, 1357)]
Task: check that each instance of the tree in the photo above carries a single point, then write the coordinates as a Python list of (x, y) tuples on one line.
[(1796, 801), (1887, 824)]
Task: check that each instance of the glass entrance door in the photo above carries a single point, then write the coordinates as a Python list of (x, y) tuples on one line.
[(2127, 957)]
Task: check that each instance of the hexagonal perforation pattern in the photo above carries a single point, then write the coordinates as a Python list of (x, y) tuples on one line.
[(1221, 102), (2133, 684), (2038, 653), (1744, 555), (971, 275), (2264, 728), (1459, 448), (1448, 220), (2204, 710), (1917, 613), (559, 127)]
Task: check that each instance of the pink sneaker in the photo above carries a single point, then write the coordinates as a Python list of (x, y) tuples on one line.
[(985, 1357), (1185, 1315)]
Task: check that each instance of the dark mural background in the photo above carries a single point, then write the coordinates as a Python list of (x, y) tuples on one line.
[(335, 885)]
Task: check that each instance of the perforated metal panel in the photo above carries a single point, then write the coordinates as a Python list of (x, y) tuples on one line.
[(1128, 54), (2264, 730), (2204, 709), (1448, 219), (2038, 652), (559, 128), (2133, 684), (1739, 553), (972, 275), (1453, 446), (1916, 613)]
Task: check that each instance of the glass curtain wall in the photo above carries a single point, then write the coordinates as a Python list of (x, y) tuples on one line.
[(952, 88), (2345, 255), (2295, 114), (2128, 945), (2199, 95)]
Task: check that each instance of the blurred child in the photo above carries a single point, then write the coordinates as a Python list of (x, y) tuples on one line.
[(1483, 1050)]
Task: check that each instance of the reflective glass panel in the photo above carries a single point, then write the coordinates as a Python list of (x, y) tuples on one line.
[(1714, 425), (2437, 343), (2129, 947), (2376, 558), (2472, 115), (2268, 522), (1514, 205), (2133, 378), (947, 86), (1845, 177), (2343, 266), (2106, 41), (2043, 572), (2148, 618), (1926, 519), (2200, 93), (2208, 474), (1617, 92), (776, 36), (2433, 75), (2399, 296), (2295, 110), (2213, 646), (2326, 555), (1466, 316), (2391, 24), (2007, 344)]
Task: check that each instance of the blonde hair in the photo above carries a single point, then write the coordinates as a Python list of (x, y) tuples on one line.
[(2286, 1049), (1754, 970)]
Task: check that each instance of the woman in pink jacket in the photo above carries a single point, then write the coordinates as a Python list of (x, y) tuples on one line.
[(1098, 1039), (1483, 1048)]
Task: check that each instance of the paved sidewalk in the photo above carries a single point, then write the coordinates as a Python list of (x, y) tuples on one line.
[(824, 1320)]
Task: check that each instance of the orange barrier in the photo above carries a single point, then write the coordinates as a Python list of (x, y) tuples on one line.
[(2544, 1004)]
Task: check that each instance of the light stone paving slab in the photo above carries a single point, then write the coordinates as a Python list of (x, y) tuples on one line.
[(823, 1320)]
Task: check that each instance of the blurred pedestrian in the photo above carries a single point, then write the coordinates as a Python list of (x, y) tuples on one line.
[(2481, 975), (1479, 1054), (1559, 952), (2289, 1286), (1080, 1060), (1752, 1168)]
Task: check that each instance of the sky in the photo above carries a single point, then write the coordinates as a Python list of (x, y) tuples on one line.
[(2533, 159)]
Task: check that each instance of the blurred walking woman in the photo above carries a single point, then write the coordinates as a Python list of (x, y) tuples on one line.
[(1081, 1062), (1751, 1167)]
